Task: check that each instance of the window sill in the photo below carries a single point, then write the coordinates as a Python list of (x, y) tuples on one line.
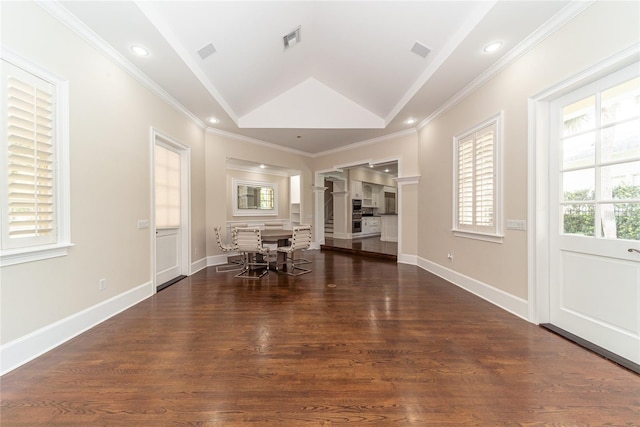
[(485, 237), (23, 255)]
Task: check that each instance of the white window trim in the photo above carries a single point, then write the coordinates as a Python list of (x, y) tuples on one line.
[(62, 171), (497, 236)]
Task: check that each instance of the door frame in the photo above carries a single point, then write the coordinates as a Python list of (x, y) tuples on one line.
[(160, 138), (319, 199), (539, 245)]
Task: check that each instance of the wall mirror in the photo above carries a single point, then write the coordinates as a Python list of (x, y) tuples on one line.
[(254, 198)]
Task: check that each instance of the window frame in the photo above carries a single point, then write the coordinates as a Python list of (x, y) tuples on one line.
[(494, 233), (239, 211), (61, 174)]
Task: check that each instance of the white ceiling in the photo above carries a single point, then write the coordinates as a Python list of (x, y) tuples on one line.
[(351, 78)]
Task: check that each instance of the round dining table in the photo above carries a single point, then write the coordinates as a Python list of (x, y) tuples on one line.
[(279, 236)]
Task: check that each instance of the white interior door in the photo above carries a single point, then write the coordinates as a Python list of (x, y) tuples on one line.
[(595, 213), (168, 255), (168, 221)]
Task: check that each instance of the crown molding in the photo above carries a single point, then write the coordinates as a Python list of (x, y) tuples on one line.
[(551, 26), (261, 172), (62, 14), (412, 131), (402, 180), (257, 142)]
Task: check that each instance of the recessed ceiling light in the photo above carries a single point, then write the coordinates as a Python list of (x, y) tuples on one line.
[(140, 50), (213, 120), (492, 47), (370, 166), (262, 166), (386, 170), (410, 121)]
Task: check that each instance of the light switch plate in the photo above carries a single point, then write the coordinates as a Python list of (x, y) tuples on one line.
[(516, 224), (143, 223)]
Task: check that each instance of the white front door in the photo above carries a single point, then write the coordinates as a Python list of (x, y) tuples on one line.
[(168, 218), (595, 213)]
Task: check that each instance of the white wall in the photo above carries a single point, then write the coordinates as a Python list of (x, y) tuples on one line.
[(600, 31), (218, 148), (111, 115)]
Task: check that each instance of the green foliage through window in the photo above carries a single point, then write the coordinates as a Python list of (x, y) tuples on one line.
[(579, 218)]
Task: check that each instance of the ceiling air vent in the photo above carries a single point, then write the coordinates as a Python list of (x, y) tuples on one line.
[(420, 49), (207, 51), (291, 39)]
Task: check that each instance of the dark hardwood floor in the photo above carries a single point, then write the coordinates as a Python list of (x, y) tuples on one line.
[(370, 247), (357, 341)]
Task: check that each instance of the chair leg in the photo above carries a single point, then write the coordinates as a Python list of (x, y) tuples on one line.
[(231, 265), (295, 267), (246, 271)]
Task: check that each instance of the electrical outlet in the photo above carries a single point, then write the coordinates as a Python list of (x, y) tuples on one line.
[(450, 256), (102, 284)]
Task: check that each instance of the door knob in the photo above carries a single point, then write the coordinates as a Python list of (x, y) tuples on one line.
[(633, 250)]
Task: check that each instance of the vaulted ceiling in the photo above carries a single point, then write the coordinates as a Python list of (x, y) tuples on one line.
[(359, 70)]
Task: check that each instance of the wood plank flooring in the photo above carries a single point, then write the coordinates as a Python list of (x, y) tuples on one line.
[(371, 247), (388, 345)]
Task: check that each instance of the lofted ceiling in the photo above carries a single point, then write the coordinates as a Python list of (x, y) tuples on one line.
[(352, 76)]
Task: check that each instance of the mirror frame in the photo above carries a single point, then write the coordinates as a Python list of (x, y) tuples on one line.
[(237, 211)]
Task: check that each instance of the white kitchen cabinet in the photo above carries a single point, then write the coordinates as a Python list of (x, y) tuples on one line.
[(356, 189), (371, 225), (371, 195), (389, 232)]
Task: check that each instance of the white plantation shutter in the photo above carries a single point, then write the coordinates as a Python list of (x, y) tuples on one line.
[(484, 177), (465, 181), (29, 204), (476, 174)]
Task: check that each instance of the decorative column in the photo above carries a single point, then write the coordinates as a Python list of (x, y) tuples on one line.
[(318, 226), (408, 219)]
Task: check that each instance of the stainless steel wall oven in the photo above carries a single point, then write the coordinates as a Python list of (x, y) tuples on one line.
[(356, 216)]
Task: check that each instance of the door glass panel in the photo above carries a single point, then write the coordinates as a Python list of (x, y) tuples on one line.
[(579, 117), (579, 151), (620, 221), (167, 188), (621, 141), (578, 185), (621, 102), (620, 182), (578, 218)]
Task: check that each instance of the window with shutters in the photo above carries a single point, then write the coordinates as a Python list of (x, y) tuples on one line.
[(477, 182), (34, 198)]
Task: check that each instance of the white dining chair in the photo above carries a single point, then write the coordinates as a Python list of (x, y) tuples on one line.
[(227, 248), (248, 241), (300, 240)]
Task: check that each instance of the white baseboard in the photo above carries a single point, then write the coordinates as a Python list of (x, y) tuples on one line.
[(198, 265), (341, 235), (506, 301), (217, 260), (24, 349), (407, 259)]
